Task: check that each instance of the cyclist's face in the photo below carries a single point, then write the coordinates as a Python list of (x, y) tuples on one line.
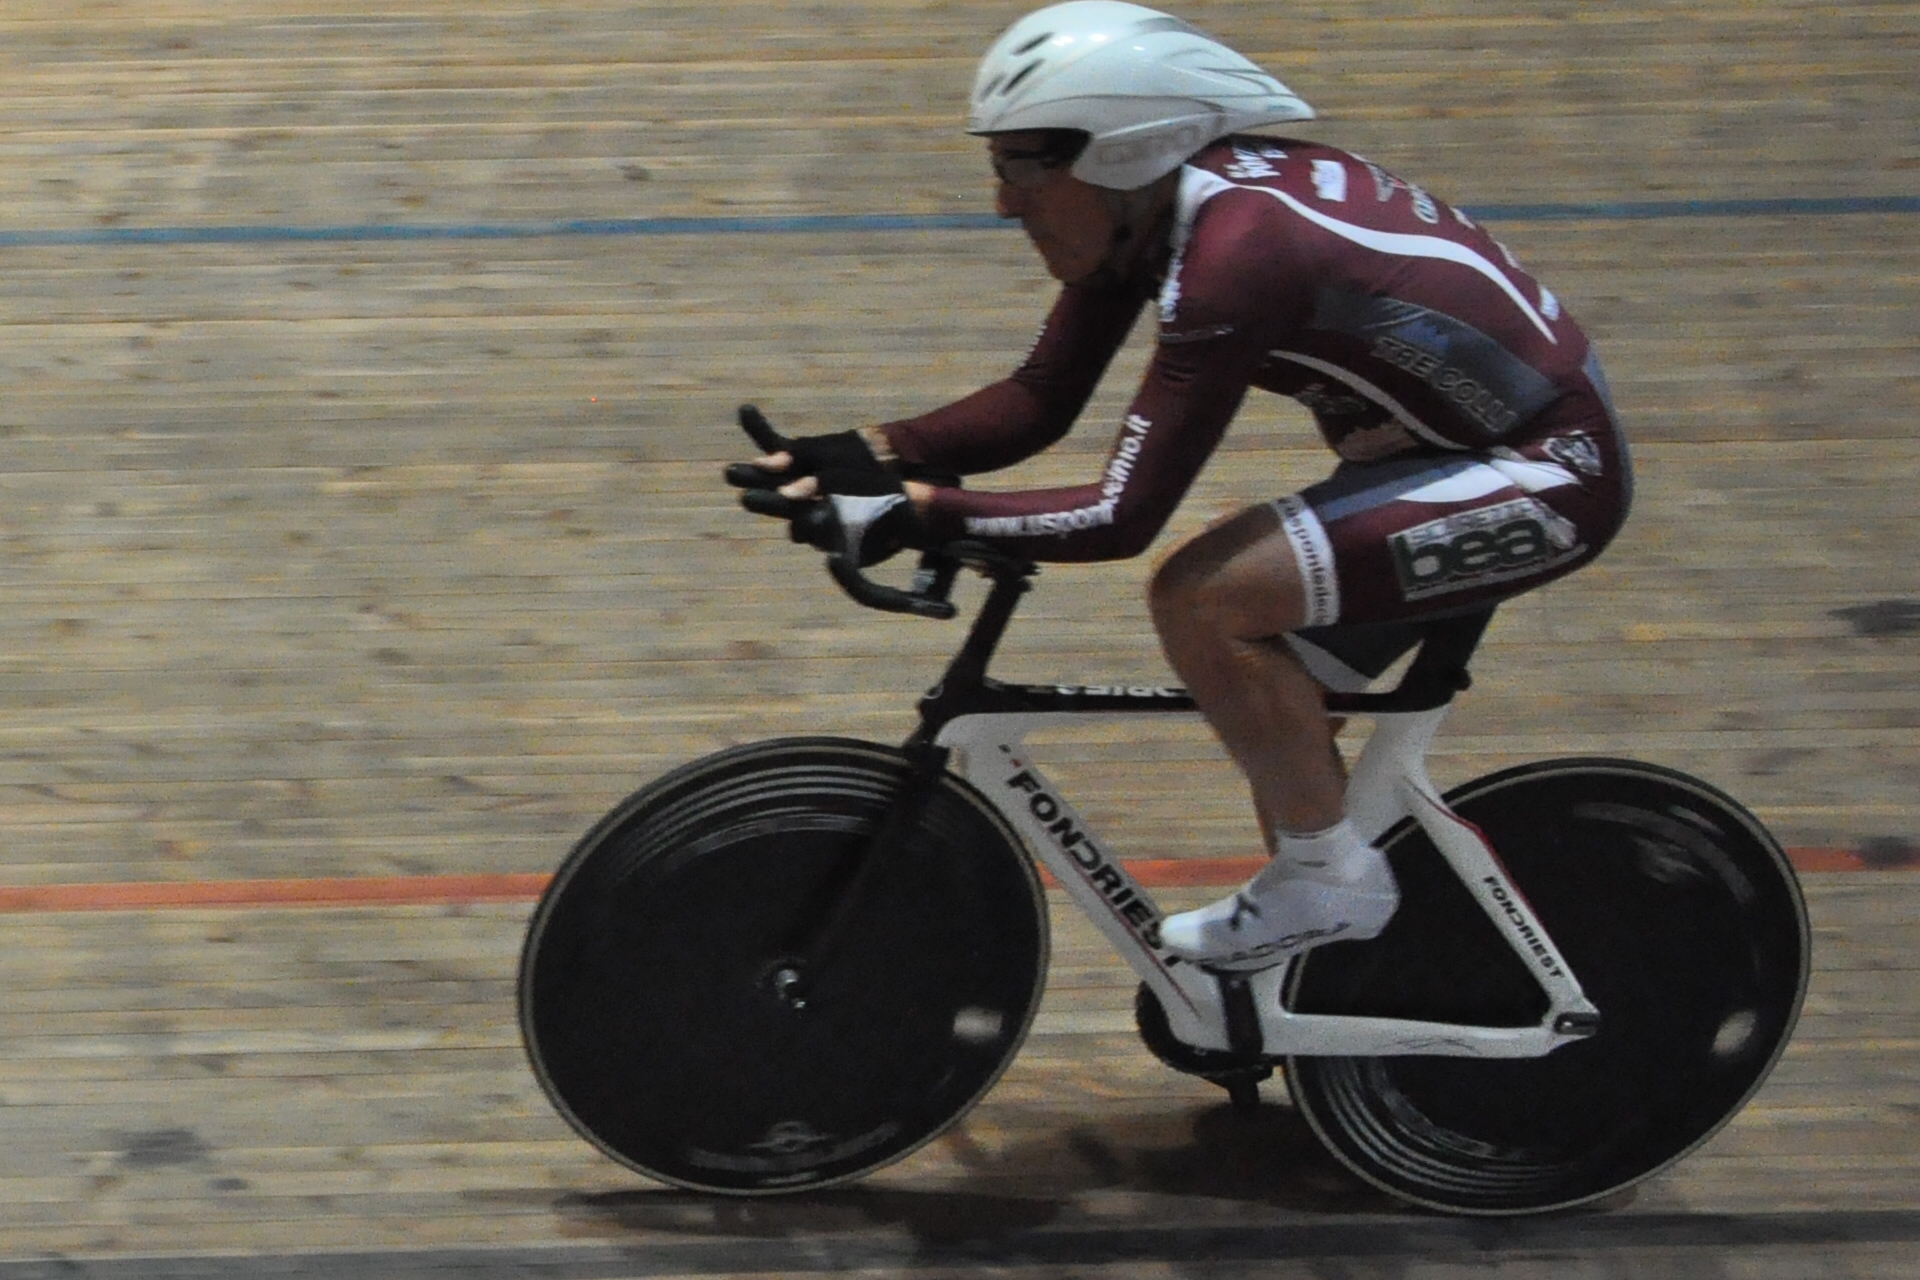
[(1068, 220)]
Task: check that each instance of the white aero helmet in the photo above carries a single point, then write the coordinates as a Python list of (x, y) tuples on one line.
[(1148, 88)]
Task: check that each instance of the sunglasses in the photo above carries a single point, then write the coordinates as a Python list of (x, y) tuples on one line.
[(1028, 169)]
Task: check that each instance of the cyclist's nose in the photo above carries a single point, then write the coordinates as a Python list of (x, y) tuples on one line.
[(1009, 201)]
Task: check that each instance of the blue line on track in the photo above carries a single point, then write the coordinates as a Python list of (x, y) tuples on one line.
[(1598, 211)]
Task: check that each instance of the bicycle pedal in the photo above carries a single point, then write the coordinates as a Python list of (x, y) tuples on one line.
[(1244, 1037), (1243, 1088)]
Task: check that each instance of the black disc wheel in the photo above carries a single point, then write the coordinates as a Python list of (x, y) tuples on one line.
[(671, 1014), (1679, 916)]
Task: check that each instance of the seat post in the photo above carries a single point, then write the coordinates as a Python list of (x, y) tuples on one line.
[(1447, 649), (1438, 671)]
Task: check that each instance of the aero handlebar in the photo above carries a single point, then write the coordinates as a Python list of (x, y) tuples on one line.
[(811, 521)]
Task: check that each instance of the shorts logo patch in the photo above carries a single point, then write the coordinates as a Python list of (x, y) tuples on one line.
[(1313, 553), (1576, 451), (1477, 548)]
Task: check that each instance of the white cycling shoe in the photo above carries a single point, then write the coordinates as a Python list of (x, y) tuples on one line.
[(1280, 913)]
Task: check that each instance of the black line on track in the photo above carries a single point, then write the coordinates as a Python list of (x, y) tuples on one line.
[(1372, 1237)]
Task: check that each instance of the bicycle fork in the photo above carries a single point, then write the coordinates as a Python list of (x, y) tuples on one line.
[(810, 950)]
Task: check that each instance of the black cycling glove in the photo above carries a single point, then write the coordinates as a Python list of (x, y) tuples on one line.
[(861, 512), (870, 528), (864, 529), (842, 460)]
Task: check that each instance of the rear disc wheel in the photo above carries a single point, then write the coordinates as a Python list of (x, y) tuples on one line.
[(1681, 919)]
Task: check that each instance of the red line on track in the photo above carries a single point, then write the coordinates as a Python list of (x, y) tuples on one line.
[(352, 891), (399, 891)]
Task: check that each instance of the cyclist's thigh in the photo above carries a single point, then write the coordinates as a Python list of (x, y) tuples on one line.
[(1428, 534)]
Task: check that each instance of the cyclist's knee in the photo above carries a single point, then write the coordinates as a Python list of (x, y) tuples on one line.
[(1176, 580), (1236, 580), (1185, 594)]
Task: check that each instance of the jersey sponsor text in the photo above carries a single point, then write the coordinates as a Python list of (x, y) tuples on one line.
[(1042, 523), (1472, 399)]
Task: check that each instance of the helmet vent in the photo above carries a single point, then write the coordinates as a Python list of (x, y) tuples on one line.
[(1033, 44), (1018, 76), (1165, 22)]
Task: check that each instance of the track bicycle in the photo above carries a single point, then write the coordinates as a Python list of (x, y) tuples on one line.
[(793, 962)]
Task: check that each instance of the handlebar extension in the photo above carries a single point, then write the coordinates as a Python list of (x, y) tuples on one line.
[(926, 598), (809, 522)]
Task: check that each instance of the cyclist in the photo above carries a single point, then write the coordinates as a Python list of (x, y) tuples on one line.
[(1478, 453)]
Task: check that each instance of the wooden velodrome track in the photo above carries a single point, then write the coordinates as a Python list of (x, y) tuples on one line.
[(368, 369)]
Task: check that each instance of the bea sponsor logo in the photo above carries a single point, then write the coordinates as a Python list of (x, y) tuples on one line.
[(1477, 548)]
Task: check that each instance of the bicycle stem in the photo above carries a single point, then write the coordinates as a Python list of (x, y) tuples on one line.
[(968, 668)]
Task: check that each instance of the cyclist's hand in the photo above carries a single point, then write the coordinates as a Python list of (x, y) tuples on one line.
[(864, 528), (843, 460), (869, 528), (861, 512)]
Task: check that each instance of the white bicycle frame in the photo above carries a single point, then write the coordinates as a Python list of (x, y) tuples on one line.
[(1388, 782)]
